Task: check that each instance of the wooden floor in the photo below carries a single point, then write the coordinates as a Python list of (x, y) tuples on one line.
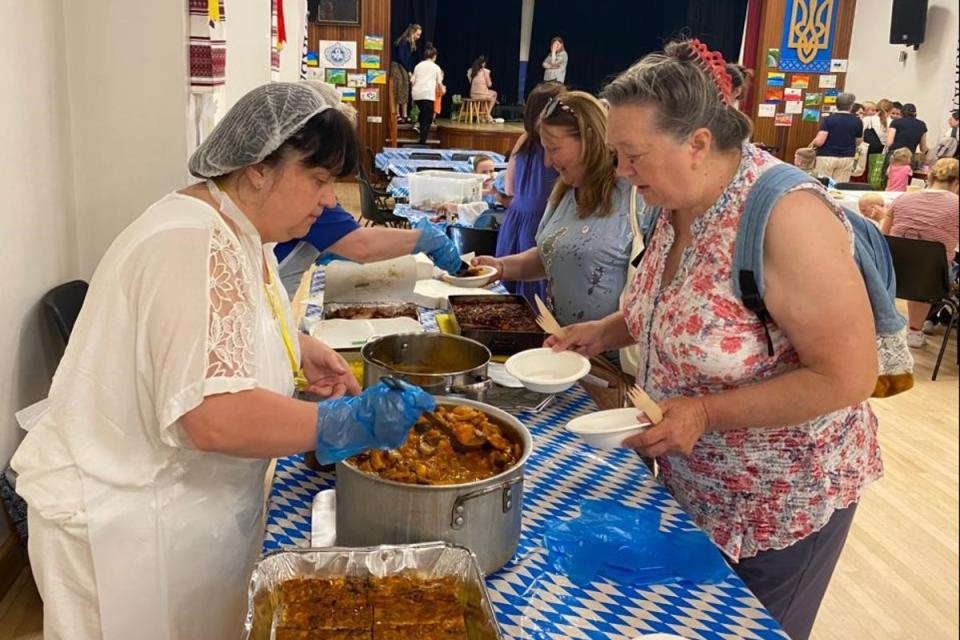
[(897, 578)]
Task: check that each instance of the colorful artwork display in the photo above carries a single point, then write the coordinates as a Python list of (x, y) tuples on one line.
[(376, 76), (373, 43), (335, 76), (369, 60)]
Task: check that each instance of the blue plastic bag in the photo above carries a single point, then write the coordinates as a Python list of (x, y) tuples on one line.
[(625, 545)]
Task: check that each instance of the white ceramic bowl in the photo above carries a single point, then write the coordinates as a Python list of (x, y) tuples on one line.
[(547, 371), (483, 278), (607, 429)]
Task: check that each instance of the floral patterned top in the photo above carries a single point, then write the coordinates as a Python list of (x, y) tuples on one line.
[(750, 490)]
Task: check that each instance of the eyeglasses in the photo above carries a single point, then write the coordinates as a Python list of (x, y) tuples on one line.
[(552, 106)]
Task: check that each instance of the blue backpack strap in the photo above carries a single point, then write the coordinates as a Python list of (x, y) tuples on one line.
[(748, 249), (872, 254)]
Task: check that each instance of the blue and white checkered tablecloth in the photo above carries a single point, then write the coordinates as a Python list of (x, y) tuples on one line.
[(531, 601), (399, 188), (398, 162)]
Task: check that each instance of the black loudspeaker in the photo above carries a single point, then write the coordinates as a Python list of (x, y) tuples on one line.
[(908, 23)]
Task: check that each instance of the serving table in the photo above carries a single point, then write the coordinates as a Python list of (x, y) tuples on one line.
[(532, 600)]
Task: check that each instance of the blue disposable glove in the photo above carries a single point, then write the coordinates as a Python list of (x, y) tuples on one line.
[(435, 243), (378, 418)]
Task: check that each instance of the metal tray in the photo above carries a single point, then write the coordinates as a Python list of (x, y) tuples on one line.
[(431, 560), (500, 343), (396, 309)]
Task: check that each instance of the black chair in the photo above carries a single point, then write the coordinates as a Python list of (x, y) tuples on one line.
[(483, 242), (424, 155), (373, 213), (855, 186), (62, 305), (824, 181), (461, 157), (377, 179), (923, 276)]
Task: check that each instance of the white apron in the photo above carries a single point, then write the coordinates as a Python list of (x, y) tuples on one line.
[(173, 532)]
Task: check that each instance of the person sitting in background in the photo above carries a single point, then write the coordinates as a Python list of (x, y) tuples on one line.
[(468, 212), (528, 182), (837, 141), (872, 207), (900, 170), (930, 214), (585, 237), (480, 82), (949, 146), (555, 64), (907, 132)]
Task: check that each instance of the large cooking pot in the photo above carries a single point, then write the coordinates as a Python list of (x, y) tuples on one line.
[(442, 364), (483, 516)]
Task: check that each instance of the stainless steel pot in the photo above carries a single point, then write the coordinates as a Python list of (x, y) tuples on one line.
[(484, 516), (442, 364)]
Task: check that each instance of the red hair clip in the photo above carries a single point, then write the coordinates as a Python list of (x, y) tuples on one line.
[(713, 63)]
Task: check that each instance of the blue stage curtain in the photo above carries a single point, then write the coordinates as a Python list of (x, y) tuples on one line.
[(603, 37)]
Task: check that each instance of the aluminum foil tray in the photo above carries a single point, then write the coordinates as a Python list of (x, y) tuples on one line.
[(429, 560)]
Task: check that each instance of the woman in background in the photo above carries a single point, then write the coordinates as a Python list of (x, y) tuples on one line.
[(875, 120), (480, 83), (930, 214), (426, 85), (401, 68), (907, 131), (555, 64), (528, 182)]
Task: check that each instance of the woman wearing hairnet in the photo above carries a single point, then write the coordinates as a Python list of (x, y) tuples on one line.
[(145, 477)]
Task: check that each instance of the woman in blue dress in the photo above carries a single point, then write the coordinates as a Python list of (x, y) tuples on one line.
[(529, 181)]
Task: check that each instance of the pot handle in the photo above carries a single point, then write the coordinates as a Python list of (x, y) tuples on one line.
[(482, 384), (458, 515)]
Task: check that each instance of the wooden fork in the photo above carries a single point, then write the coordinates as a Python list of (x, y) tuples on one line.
[(546, 320), (645, 403)]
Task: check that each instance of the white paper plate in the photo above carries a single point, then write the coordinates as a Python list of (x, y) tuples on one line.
[(486, 273), (340, 333), (547, 371)]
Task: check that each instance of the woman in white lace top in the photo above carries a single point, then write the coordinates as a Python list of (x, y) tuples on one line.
[(145, 477)]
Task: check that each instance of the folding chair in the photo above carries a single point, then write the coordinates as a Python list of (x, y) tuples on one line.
[(923, 276)]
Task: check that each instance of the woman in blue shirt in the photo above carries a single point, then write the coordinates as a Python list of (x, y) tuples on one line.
[(401, 67), (584, 240)]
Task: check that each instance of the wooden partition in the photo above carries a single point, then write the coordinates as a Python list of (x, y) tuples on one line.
[(374, 20), (799, 134)]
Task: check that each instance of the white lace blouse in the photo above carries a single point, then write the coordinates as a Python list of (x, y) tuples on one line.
[(176, 311)]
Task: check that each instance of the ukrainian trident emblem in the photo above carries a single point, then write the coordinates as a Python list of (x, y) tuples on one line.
[(810, 28)]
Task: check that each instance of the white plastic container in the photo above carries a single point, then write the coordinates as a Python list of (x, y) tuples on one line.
[(430, 189)]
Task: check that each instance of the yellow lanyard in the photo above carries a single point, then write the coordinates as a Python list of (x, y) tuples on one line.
[(299, 377)]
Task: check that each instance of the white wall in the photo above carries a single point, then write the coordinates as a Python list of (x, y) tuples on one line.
[(926, 78), (126, 71), (37, 223), (248, 47)]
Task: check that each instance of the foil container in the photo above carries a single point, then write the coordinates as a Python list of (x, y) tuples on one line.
[(430, 560)]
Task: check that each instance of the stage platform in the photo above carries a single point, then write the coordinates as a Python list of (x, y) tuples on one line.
[(491, 137)]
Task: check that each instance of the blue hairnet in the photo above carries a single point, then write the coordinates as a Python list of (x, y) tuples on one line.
[(256, 126)]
